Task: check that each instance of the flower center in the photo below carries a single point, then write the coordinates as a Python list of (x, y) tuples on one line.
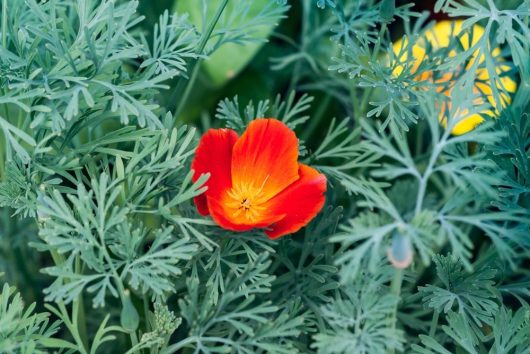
[(246, 201)]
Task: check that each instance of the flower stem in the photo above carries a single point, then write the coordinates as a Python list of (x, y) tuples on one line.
[(4, 45), (80, 308), (4, 24), (422, 187), (177, 346), (395, 286), (395, 289), (315, 121), (380, 39), (434, 323), (185, 86)]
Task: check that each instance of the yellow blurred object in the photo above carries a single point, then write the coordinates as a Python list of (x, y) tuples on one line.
[(439, 36)]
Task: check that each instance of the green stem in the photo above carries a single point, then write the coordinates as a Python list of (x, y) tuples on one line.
[(77, 308), (419, 137), (434, 323), (378, 43), (397, 281), (117, 280), (356, 106), (146, 313), (315, 121), (5, 247), (295, 76), (2, 157), (58, 258), (72, 325), (80, 307), (175, 347), (4, 44), (422, 187), (185, 86), (395, 288), (367, 93), (4, 23)]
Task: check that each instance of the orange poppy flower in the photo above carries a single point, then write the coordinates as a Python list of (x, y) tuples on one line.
[(256, 180)]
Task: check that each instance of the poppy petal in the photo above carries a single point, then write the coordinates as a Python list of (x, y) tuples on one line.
[(300, 202), (265, 158), (213, 155), (201, 204)]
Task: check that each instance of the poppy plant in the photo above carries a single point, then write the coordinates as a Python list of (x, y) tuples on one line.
[(256, 180)]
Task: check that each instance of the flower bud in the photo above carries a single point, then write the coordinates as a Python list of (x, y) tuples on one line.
[(129, 317), (400, 251)]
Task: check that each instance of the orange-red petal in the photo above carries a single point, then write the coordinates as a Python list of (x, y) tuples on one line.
[(201, 204), (214, 155), (300, 202), (265, 158)]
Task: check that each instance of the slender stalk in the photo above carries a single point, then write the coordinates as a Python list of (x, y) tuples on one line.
[(117, 278), (295, 75), (4, 23), (367, 93), (58, 258), (378, 43), (359, 108), (419, 137), (4, 44), (175, 347), (2, 157), (185, 86), (146, 312), (395, 288), (434, 323), (72, 325), (437, 150), (315, 121), (148, 328), (80, 308), (5, 251), (356, 106)]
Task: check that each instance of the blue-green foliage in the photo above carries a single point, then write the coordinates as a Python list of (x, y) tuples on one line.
[(98, 226)]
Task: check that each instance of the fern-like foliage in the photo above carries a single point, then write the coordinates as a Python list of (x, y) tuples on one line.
[(512, 154), (18, 191), (100, 229), (470, 295), (81, 72), (291, 111), (444, 216), (96, 147), (21, 329), (510, 334), (359, 320), (236, 320)]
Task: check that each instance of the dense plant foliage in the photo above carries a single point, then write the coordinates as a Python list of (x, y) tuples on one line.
[(424, 241)]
